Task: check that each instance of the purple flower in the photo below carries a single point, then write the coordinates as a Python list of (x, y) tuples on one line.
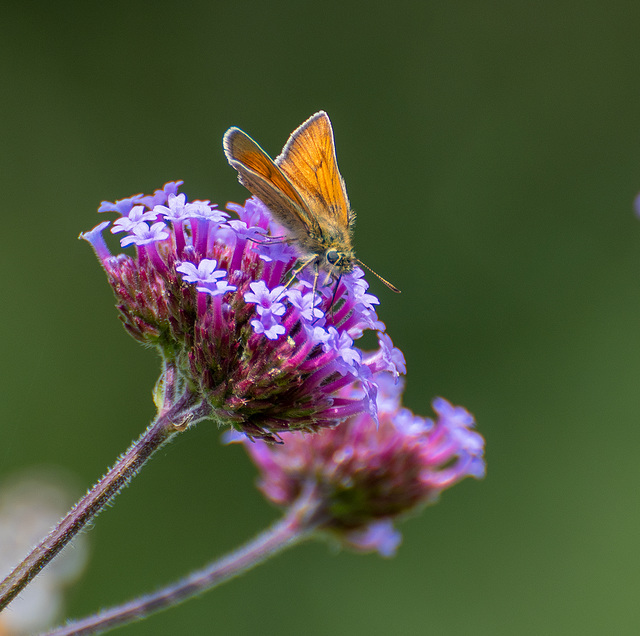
[(378, 536), (245, 231), (204, 210), (368, 475), (96, 240), (159, 197), (142, 234), (358, 286), (269, 325), (204, 273), (387, 357), (255, 214), (342, 344), (206, 276), (268, 309), (209, 293), (266, 299), (122, 206), (636, 204), (305, 304), (136, 216), (177, 209)]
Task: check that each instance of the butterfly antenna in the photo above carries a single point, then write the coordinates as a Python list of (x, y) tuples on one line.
[(386, 282)]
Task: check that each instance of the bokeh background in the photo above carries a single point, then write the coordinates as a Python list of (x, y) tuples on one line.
[(492, 151)]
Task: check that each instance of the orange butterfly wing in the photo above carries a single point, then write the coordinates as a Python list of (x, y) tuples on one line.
[(263, 178), (309, 161)]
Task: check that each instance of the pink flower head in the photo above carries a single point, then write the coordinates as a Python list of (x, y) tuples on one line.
[(367, 474), (213, 294)]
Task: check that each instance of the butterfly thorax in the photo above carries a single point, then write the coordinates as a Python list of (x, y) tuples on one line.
[(332, 249)]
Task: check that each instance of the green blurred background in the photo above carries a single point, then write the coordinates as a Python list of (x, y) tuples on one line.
[(492, 151)]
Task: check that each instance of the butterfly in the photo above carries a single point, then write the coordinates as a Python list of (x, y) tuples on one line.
[(305, 193)]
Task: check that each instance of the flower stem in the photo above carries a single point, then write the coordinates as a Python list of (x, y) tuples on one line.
[(301, 519), (172, 418)]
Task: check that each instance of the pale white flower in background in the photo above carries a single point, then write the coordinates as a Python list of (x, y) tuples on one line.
[(31, 504)]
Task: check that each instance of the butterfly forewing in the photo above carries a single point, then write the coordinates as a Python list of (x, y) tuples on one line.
[(309, 161), (263, 178), (305, 192)]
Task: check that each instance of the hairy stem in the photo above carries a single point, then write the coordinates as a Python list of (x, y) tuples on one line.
[(299, 522), (172, 418)]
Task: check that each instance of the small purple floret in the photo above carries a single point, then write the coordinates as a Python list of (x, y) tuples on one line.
[(206, 277), (205, 272), (122, 206), (305, 304), (136, 215), (269, 325), (379, 536), (266, 299), (142, 234), (96, 240), (159, 197), (175, 210)]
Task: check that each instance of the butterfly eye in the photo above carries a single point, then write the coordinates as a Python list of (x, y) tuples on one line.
[(333, 256)]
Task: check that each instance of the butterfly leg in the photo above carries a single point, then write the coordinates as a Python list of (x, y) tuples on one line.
[(298, 267), (335, 291), (270, 240), (314, 288)]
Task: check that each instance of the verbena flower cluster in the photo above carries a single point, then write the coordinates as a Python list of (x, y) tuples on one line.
[(210, 293), (368, 474)]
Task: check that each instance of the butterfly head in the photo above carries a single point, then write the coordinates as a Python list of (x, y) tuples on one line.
[(338, 261)]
